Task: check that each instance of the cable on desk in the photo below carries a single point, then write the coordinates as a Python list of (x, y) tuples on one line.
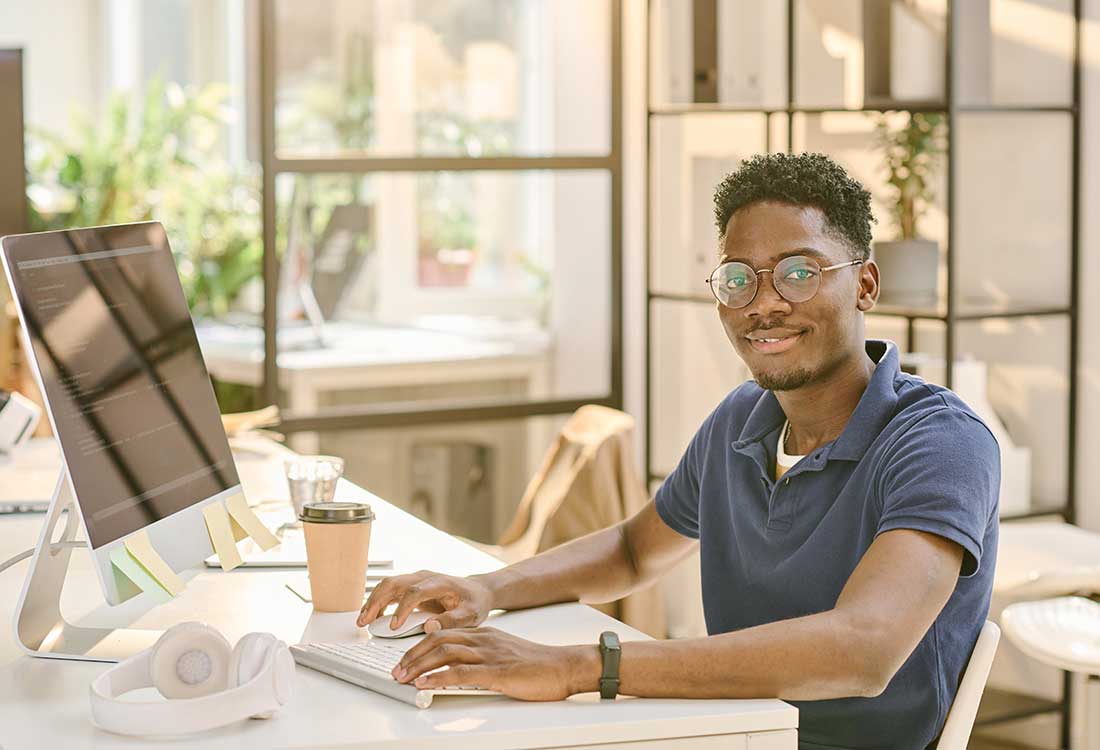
[(28, 552)]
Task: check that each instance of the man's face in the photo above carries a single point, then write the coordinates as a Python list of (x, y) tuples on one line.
[(814, 337)]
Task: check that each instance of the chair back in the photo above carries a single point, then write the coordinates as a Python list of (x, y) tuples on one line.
[(580, 439), (960, 717)]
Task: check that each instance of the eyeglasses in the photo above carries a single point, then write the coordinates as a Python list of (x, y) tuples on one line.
[(796, 278)]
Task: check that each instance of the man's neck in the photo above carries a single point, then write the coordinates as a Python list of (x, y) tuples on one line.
[(819, 411)]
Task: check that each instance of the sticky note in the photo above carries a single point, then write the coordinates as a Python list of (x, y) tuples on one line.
[(243, 515), (139, 546), (238, 531), (129, 567), (221, 535)]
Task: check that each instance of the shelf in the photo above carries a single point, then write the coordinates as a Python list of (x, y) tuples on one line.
[(1068, 109), (969, 311), (1059, 511), (691, 108), (999, 706), (707, 299), (703, 108)]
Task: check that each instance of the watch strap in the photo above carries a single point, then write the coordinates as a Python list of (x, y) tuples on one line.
[(610, 653)]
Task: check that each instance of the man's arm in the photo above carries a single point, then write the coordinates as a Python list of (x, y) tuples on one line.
[(889, 602), (600, 567)]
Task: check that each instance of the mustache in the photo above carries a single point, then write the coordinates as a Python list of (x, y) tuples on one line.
[(773, 326)]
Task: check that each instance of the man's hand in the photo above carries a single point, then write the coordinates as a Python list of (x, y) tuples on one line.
[(460, 602), (492, 659)]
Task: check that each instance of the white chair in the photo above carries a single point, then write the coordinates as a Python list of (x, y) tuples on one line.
[(1063, 632), (960, 717)]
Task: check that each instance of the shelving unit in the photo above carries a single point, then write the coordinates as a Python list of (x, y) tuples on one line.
[(671, 298)]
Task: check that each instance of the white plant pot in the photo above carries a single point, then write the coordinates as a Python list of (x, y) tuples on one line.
[(908, 271)]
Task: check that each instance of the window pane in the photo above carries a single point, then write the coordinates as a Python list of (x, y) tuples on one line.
[(418, 287), (852, 54), (465, 479), (444, 78), (1017, 52), (690, 156)]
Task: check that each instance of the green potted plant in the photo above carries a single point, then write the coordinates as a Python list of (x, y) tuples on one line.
[(160, 158), (912, 155)]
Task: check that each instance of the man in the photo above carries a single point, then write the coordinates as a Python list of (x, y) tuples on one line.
[(846, 512)]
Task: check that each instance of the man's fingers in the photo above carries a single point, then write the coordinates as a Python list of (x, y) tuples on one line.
[(446, 655), (414, 594), (385, 592), (433, 641), (459, 617), (465, 675)]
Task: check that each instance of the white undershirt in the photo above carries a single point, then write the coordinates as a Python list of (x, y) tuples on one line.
[(784, 461)]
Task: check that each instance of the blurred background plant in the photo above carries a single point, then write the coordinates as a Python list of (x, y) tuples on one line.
[(160, 159), (913, 155)]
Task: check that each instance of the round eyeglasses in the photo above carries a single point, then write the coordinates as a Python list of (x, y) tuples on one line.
[(796, 278)]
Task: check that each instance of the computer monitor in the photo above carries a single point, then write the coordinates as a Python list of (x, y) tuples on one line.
[(113, 347)]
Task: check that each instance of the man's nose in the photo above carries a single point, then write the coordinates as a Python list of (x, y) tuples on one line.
[(768, 301)]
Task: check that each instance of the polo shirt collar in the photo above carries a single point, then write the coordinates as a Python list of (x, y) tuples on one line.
[(872, 413)]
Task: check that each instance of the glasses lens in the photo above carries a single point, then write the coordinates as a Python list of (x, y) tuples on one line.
[(797, 278), (734, 284)]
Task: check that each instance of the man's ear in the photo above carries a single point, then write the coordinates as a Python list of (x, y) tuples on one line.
[(868, 286)]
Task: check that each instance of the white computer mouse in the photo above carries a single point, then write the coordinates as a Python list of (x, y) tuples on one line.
[(413, 625)]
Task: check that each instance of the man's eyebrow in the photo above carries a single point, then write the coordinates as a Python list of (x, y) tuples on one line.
[(809, 251)]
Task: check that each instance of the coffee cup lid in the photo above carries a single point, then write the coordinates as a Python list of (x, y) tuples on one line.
[(338, 512)]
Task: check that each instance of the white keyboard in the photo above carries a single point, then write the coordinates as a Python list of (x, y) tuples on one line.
[(370, 664)]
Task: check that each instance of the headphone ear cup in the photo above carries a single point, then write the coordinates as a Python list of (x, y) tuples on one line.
[(189, 661), (249, 657)]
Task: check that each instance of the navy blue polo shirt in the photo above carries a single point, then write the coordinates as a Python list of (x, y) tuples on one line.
[(912, 456)]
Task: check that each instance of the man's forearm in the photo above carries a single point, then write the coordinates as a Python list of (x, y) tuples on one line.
[(817, 657), (594, 568)]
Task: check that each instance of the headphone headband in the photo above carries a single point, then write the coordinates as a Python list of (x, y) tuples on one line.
[(267, 691)]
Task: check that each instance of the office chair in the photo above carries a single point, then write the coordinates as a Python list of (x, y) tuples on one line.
[(960, 717)]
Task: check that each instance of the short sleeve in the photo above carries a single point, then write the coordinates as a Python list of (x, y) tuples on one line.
[(943, 477), (677, 498)]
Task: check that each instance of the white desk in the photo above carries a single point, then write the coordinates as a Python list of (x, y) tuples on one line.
[(44, 703)]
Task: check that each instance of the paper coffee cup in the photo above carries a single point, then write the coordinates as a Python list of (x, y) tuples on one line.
[(337, 539)]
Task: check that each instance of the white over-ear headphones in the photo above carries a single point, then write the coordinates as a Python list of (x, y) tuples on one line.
[(208, 684)]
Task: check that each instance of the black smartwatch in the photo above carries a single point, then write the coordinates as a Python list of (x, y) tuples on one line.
[(610, 651)]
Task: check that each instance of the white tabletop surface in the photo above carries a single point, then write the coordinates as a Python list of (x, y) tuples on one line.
[(44, 702)]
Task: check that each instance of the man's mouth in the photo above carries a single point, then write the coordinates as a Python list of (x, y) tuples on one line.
[(773, 342)]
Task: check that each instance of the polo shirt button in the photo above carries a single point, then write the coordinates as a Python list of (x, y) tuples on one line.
[(817, 456)]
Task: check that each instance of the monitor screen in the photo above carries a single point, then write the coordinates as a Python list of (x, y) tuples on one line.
[(124, 379)]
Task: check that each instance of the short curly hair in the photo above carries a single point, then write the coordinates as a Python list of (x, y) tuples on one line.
[(800, 180)]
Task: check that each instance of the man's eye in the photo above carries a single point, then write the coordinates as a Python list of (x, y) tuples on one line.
[(800, 274), (736, 282)]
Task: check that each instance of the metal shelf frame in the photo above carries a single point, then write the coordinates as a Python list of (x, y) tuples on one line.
[(953, 312)]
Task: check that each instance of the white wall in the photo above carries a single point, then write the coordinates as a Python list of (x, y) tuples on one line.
[(60, 56)]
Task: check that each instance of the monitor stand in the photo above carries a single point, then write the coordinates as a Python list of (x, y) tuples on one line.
[(40, 628)]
